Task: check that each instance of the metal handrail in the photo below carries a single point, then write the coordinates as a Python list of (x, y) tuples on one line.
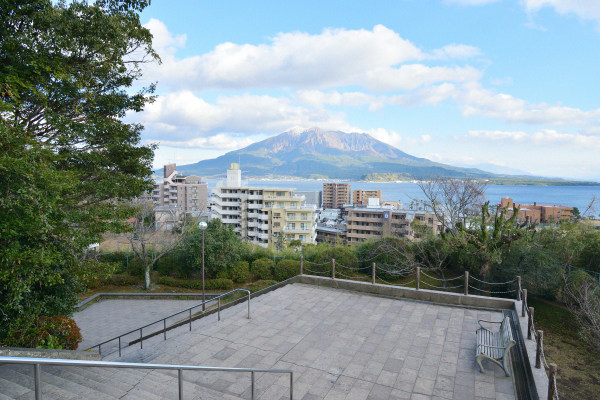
[(164, 321), (38, 362)]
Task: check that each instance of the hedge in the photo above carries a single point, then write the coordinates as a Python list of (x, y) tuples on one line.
[(210, 284)]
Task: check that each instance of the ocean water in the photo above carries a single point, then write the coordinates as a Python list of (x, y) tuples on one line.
[(571, 196)]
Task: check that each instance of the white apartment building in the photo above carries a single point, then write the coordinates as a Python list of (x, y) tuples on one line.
[(262, 215), (188, 193)]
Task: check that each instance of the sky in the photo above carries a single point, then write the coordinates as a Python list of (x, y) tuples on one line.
[(508, 84)]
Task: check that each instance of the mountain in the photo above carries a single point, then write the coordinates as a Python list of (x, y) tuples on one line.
[(317, 154)]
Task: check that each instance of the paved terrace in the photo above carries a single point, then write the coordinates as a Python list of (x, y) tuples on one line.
[(340, 345)]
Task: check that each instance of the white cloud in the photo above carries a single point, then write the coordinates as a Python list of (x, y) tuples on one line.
[(163, 41), (499, 135), (479, 101), (455, 51), (378, 59), (544, 137), (182, 116), (584, 9), (219, 141)]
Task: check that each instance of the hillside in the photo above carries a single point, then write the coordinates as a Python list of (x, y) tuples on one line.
[(314, 153), (317, 154)]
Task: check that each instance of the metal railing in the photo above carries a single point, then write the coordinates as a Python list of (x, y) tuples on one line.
[(38, 362), (187, 320)]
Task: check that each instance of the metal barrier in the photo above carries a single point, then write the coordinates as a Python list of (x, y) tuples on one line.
[(164, 321), (38, 362)]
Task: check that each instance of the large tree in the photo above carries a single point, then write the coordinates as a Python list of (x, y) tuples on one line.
[(66, 155)]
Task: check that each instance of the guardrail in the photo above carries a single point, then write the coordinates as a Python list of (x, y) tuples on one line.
[(180, 322), (38, 362)]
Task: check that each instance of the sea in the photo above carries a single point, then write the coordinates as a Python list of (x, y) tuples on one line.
[(405, 192)]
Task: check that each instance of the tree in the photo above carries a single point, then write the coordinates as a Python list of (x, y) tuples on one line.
[(583, 298), (66, 155), (153, 234), (453, 201), (222, 249)]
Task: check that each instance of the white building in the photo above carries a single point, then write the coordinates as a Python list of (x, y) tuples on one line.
[(263, 215)]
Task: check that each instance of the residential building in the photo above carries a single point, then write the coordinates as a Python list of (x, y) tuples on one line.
[(365, 223), (188, 193), (262, 215), (335, 195), (312, 197), (328, 234), (361, 197), (537, 213)]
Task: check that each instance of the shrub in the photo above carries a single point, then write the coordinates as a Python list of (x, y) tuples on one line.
[(240, 272), (285, 269), (263, 268), (114, 280), (56, 332), (211, 284)]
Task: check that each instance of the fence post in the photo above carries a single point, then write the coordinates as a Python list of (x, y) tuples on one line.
[(373, 273), (518, 288), (418, 279), (333, 268), (523, 303), (37, 378), (538, 349), (301, 265), (530, 322), (551, 377), (466, 283)]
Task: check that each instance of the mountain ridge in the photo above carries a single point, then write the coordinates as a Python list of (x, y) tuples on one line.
[(316, 154)]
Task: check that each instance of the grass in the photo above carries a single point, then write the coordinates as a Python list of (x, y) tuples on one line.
[(578, 362)]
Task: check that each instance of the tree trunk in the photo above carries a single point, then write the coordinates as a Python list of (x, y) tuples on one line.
[(147, 277)]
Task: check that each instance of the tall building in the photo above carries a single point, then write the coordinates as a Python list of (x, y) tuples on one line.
[(188, 193), (335, 195), (361, 197), (365, 223), (263, 215), (312, 197)]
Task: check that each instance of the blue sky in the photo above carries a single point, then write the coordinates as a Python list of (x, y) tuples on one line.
[(508, 83)]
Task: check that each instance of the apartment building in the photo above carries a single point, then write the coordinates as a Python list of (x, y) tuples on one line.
[(262, 215), (188, 193), (335, 195), (364, 223), (537, 213), (361, 197)]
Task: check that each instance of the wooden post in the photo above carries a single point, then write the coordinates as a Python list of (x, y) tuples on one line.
[(373, 273), (466, 283), (301, 265), (530, 323), (333, 268), (418, 279), (523, 303), (518, 288), (551, 377), (538, 349)]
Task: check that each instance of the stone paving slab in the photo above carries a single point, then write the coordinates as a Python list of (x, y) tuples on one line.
[(340, 345), (106, 319)]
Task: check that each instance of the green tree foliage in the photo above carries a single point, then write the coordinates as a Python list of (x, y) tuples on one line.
[(222, 249), (240, 272), (286, 269), (65, 153), (392, 255), (263, 268)]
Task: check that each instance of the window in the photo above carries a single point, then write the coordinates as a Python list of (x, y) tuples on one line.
[(291, 216), (302, 238), (304, 216)]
